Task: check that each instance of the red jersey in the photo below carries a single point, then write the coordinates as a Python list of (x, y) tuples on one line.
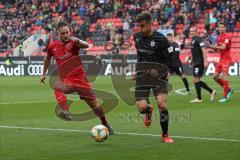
[(225, 54), (69, 64)]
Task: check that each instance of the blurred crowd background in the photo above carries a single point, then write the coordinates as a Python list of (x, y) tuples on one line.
[(102, 21)]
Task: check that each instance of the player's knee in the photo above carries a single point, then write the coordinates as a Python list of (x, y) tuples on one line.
[(162, 107), (224, 75), (182, 76), (196, 79), (142, 110), (141, 107)]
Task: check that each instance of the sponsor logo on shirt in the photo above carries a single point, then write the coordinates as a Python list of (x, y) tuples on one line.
[(170, 49), (69, 46), (201, 44), (152, 43), (65, 56)]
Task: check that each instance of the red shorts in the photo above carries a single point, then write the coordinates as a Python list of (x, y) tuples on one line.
[(70, 86), (222, 66)]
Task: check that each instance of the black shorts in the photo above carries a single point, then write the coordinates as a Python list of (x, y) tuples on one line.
[(178, 70), (145, 85), (198, 70)]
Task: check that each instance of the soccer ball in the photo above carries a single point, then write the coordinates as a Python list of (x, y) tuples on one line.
[(100, 133)]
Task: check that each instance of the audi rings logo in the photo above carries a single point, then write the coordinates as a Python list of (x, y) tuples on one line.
[(35, 70)]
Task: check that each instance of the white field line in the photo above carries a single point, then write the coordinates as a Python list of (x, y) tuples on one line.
[(25, 102), (180, 91), (122, 133)]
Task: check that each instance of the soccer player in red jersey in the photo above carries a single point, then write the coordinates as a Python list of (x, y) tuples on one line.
[(71, 73), (224, 46)]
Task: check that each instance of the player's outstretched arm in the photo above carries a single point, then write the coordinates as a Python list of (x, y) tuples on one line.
[(222, 47), (47, 61), (80, 43)]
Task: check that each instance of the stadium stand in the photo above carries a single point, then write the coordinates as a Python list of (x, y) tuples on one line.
[(102, 21)]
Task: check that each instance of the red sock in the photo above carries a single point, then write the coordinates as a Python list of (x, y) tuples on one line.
[(220, 82), (64, 105), (226, 87), (99, 112), (62, 100)]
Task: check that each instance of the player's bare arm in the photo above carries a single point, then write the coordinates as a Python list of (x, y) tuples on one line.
[(47, 61), (189, 60), (217, 47), (80, 43), (204, 57)]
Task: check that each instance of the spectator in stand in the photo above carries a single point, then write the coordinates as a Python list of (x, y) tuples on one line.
[(21, 17), (237, 29), (213, 38)]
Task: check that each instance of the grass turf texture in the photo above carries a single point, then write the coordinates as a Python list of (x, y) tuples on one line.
[(27, 103)]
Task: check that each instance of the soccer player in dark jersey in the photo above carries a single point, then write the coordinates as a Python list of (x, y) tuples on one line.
[(199, 60), (72, 77), (152, 49), (224, 47), (176, 65)]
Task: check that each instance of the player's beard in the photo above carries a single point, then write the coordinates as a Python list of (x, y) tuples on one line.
[(65, 39), (221, 32)]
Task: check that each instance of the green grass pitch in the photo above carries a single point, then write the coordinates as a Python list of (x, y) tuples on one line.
[(30, 130)]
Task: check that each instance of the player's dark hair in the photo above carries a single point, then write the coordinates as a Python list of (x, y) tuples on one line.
[(221, 23), (144, 16), (61, 24), (170, 34)]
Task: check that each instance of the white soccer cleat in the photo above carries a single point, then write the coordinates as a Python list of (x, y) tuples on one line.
[(196, 101), (213, 95), (188, 93)]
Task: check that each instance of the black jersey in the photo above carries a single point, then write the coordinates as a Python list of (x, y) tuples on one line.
[(153, 48), (196, 49), (175, 55)]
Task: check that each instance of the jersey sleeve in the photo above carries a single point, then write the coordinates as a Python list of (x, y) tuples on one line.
[(49, 50), (201, 43), (139, 57), (167, 51), (176, 48), (166, 47), (76, 49)]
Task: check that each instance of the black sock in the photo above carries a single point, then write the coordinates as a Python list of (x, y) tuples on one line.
[(148, 109), (185, 81), (205, 86), (164, 119), (198, 90), (148, 101)]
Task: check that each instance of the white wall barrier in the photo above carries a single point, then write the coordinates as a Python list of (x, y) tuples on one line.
[(106, 69)]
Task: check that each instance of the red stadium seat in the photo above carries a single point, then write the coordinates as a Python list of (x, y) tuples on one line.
[(92, 29), (235, 50), (236, 39), (235, 45)]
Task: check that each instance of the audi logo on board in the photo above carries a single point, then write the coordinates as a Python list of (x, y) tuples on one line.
[(35, 70)]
